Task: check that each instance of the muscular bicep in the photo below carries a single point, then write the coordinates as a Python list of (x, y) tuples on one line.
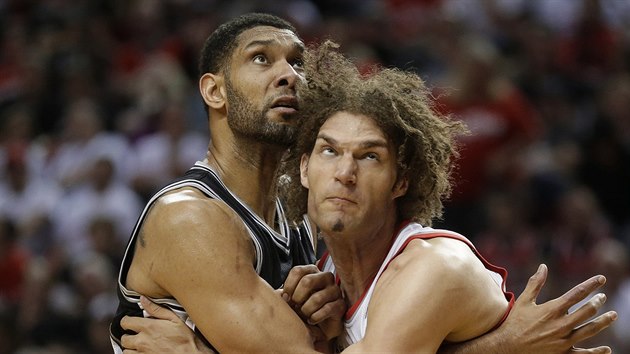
[(404, 316), (206, 263), (430, 294)]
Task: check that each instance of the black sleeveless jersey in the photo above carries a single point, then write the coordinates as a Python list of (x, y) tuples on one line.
[(276, 252)]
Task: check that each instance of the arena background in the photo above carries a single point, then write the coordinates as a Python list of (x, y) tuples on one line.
[(99, 106)]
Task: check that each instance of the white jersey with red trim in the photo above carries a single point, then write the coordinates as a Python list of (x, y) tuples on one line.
[(357, 316)]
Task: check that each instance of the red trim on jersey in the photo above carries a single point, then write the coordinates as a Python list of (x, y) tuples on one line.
[(322, 261), (507, 312), (499, 270), (350, 312), (509, 296)]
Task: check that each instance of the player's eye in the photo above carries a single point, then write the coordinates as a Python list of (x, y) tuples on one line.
[(298, 63), (328, 151), (260, 59), (371, 156)]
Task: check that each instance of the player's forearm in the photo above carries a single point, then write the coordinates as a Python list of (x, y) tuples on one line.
[(491, 343)]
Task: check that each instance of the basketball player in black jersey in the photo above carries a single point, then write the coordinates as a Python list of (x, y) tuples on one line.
[(213, 245), (196, 242)]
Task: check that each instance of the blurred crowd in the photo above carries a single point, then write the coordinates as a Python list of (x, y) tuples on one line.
[(99, 107)]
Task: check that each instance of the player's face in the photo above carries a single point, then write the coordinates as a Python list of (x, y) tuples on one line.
[(351, 176), (260, 84)]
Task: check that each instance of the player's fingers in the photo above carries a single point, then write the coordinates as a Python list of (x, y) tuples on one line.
[(132, 323), (598, 350), (130, 351), (128, 341), (157, 311), (587, 310), (333, 309), (593, 327), (319, 299), (534, 285), (294, 277), (310, 284), (579, 292)]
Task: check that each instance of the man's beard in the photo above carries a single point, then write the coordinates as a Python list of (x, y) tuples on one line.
[(246, 121), (338, 226)]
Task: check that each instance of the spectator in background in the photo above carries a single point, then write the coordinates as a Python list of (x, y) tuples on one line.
[(95, 280), (13, 262), (156, 84), (104, 239), (502, 122), (508, 238), (101, 195), (83, 140), (576, 228), (27, 200), (166, 153), (63, 306), (590, 51), (605, 149)]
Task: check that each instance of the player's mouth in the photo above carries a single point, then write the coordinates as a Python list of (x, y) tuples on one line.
[(340, 200), (285, 105)]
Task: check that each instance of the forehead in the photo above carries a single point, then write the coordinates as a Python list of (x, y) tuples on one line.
[(346, 126), (270, 36)]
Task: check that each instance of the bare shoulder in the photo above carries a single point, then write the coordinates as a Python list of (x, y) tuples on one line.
[(437, 278), (185, 206), (451, 261), (185, 231), (428, 266), (450, 268), (446, 256), (199, 252), (188, 212)]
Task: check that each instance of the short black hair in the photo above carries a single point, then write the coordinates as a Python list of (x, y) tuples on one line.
[(221, 43)]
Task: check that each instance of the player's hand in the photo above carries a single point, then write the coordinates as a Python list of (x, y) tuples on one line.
[(316, 298), (163, 332), (548, 327)]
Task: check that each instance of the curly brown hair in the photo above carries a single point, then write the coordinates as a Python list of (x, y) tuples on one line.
[(400, 104)]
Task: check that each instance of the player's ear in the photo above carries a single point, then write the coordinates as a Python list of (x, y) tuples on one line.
[(211, 87), (304, 170), (400, 187)]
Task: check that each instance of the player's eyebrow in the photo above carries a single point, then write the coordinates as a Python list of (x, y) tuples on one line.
[(299, 46), (364, 144)]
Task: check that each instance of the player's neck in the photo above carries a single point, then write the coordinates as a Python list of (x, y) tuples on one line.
[(250, 173), (358, 257)]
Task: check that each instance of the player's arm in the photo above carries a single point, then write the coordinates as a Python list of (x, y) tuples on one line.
[(546, 328), (433, 291), (199, 252), (164, 332)]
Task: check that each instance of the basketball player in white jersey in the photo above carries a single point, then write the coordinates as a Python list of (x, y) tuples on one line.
[(374, 166), (374, 161)]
